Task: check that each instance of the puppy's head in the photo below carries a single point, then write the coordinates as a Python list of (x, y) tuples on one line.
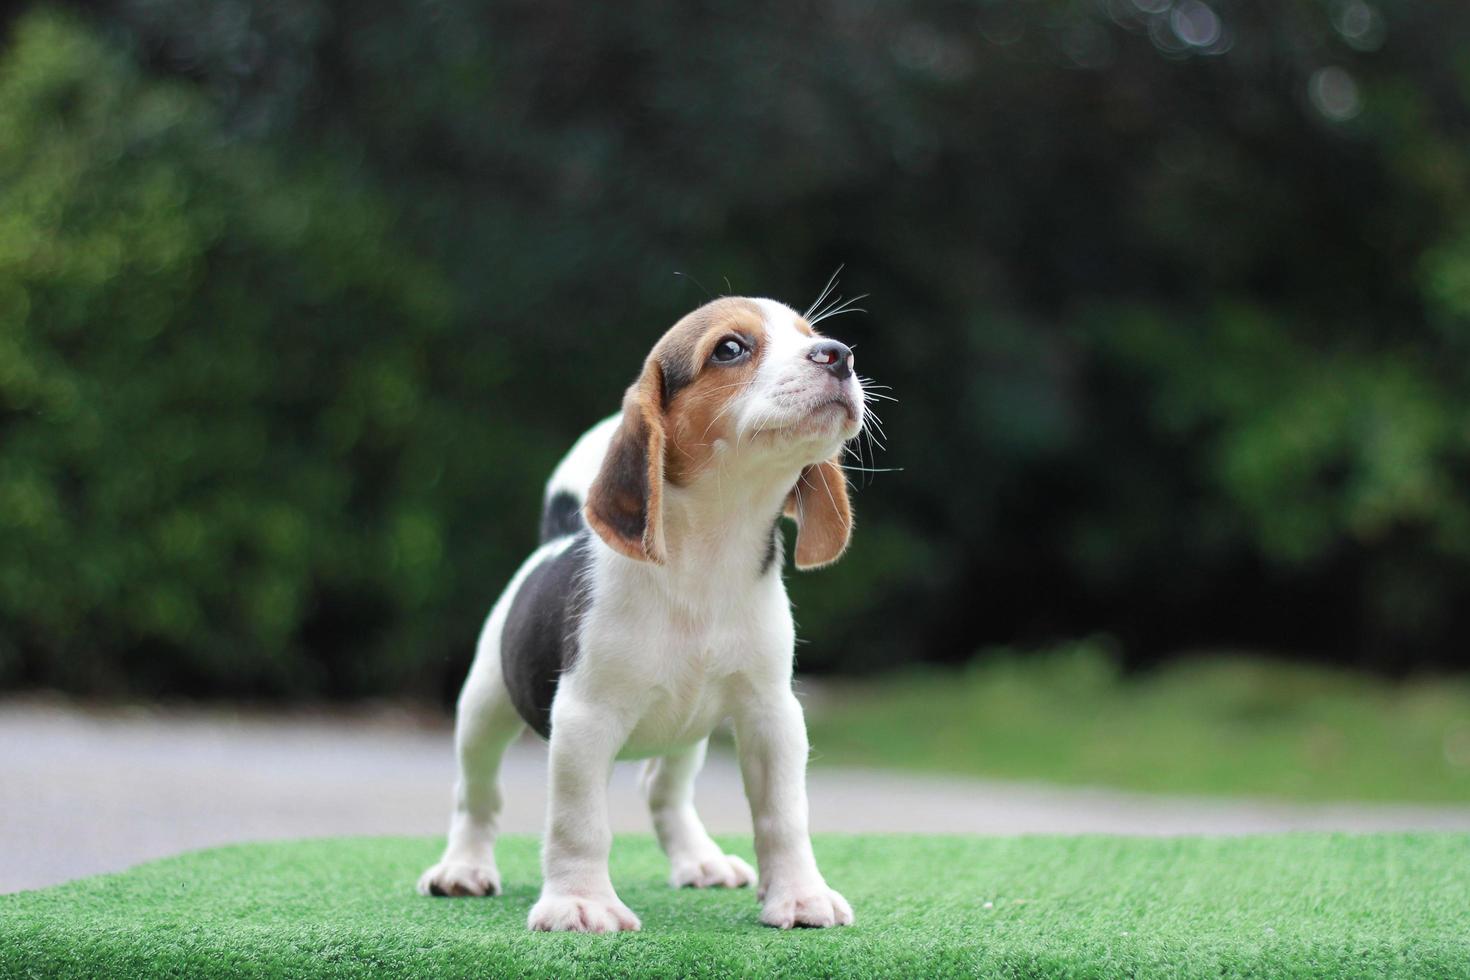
[(741, 384)]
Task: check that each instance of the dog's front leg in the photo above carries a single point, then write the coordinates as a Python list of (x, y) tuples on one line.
[(576, 892), (771, 738)]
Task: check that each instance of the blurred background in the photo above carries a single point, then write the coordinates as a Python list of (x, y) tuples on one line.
[(301, 301)]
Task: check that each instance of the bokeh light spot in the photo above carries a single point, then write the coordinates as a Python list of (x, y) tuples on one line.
[(1334, 93), (1195, 24), (1360, 25)]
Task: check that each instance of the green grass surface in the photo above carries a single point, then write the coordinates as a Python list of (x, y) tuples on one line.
[(1300, 906), (1223, 725)]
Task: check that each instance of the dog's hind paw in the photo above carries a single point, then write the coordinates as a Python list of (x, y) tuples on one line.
[(721, 871), (458, 879)]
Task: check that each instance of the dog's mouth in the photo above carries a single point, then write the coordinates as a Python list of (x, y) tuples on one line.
[(841, 402), (821, 418)]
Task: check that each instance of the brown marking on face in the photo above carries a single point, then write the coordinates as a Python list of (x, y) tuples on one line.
[(672, 417), (670, 421), (697, 390)]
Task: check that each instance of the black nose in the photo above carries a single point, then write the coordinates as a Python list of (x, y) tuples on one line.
[(833, 356)]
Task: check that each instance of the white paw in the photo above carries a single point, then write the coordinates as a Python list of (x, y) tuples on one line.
[(573, 913), (459, 879), (720, 871), (816, 906)]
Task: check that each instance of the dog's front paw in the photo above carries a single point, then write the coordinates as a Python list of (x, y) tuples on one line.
[(460, 879), (574, 913), (815, 905), (719, 871)]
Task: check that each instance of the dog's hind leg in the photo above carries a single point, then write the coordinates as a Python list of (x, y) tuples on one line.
[(696, 860), (486, 723)]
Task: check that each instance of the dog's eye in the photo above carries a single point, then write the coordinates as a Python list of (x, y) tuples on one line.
[(729, 349)]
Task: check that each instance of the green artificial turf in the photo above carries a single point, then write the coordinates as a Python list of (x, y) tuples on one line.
[(1228, 725), (1309, 905)]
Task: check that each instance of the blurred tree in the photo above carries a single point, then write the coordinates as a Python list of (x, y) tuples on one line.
[(1172, 292), (213, 392)]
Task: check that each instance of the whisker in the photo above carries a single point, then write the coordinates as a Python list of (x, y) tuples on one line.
[(856, 449), (755, 427), (823, 295), (822, 312), (846, 309), (840, 306), (830, 496), (696, 282), (728, 403), (736, 384), (872, 421)]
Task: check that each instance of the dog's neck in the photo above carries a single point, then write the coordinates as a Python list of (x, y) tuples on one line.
[(717, 529)]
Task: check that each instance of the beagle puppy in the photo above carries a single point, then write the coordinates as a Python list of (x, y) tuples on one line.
[(655, 608)]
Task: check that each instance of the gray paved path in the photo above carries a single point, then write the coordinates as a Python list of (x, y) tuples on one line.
[(83, 792)]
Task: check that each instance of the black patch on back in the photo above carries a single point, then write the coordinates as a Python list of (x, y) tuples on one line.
[(560, 516), (773, 547), (539, 640)]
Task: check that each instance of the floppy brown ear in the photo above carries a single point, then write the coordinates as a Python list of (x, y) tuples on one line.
[(823, 516), (625, 503)]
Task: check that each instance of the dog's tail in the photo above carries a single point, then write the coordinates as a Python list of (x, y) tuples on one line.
[(566, 491)]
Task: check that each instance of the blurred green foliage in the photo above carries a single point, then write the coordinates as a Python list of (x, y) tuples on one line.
[(300, 302), (200, 441)]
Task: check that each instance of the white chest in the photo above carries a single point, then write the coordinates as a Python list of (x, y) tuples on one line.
[(671, 668)]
